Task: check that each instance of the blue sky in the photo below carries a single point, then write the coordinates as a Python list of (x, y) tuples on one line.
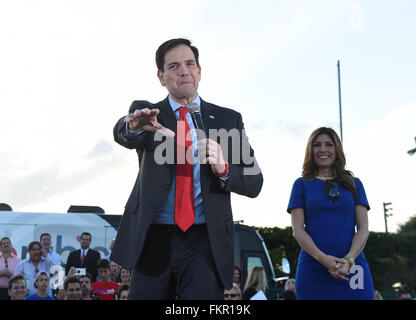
[(70, 69)]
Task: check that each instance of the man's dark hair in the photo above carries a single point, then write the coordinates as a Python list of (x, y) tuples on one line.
[(34, 243), (15, 279), (45, 234), (87, 275), (169, 45), (71, 280), (86, 234), (103, 263)]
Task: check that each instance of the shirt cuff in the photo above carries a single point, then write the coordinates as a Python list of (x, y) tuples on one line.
[(131, 134)]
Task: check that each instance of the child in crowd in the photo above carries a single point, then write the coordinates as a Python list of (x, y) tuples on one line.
[(41, 284), (104, 288)]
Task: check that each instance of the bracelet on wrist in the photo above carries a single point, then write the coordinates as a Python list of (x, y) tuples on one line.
[(225, 171), (350, 260)]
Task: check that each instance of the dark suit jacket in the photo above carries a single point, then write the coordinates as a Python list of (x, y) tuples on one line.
[(154, 182), (90, 262)]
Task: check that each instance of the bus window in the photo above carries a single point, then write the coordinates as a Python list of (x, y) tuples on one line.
[(253, 262)]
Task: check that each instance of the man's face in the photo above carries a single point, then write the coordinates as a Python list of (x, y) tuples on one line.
[(181, 74), (45, 242), (85, 285), (85, 241), (73, 292), (6, 245), (104, 274), (231, 294), (18, 290), (35, 253)]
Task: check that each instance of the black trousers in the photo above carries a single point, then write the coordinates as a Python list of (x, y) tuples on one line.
[(176, 265)]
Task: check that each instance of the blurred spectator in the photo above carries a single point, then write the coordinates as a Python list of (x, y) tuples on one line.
[(377, 295), (112, 242), (123, 292), (17, 287), (60, 294), (84, 257), (290, 285), (238, 277), (104, 288), (404, 295), (124, 276), (8, 262), (114, 272), (233, 294), (31, 266), (42, 285), (72, 287), (288, 295), (46, 241), (256, 281), (85, 287)]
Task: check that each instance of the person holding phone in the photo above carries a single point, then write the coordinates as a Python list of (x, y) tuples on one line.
[(83, 258)]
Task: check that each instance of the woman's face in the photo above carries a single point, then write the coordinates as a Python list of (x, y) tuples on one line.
[(323, 150), (236, 276), (125, 274)]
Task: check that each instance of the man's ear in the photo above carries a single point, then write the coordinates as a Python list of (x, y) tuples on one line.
[(160, 76)]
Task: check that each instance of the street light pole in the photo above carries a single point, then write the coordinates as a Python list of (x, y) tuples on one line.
[(339, 99), (386, 214)]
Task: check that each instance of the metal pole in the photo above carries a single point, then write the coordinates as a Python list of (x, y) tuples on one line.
[(386, 214), (339, 99)]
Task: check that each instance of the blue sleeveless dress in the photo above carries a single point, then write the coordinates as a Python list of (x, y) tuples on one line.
[(331, 225)]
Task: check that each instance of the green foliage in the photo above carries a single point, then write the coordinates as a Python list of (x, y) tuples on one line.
[(409, 226), (391, 257)]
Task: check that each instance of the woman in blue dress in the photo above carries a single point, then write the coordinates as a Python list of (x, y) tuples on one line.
[(328, 208)]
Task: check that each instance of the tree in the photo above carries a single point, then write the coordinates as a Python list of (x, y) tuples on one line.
[(409, 226)]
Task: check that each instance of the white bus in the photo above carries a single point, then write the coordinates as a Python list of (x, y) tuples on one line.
[(65, 230)]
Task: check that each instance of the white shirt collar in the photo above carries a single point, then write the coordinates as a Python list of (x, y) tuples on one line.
[(175, 105)]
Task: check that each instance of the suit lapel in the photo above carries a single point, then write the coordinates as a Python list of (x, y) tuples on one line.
[(208, 116), (78, 257)]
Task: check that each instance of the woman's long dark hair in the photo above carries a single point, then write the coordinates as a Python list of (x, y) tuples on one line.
[(310, 169)]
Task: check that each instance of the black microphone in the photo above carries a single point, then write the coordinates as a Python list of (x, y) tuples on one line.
[(195, 110)]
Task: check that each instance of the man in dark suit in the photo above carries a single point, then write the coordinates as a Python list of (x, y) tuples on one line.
[(84, 257), (177, 231)]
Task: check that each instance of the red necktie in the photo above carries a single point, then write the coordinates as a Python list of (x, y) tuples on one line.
[(82, 258), (184, 193)]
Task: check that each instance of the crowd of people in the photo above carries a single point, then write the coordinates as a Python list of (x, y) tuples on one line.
[(41, 276), (87, 276)]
